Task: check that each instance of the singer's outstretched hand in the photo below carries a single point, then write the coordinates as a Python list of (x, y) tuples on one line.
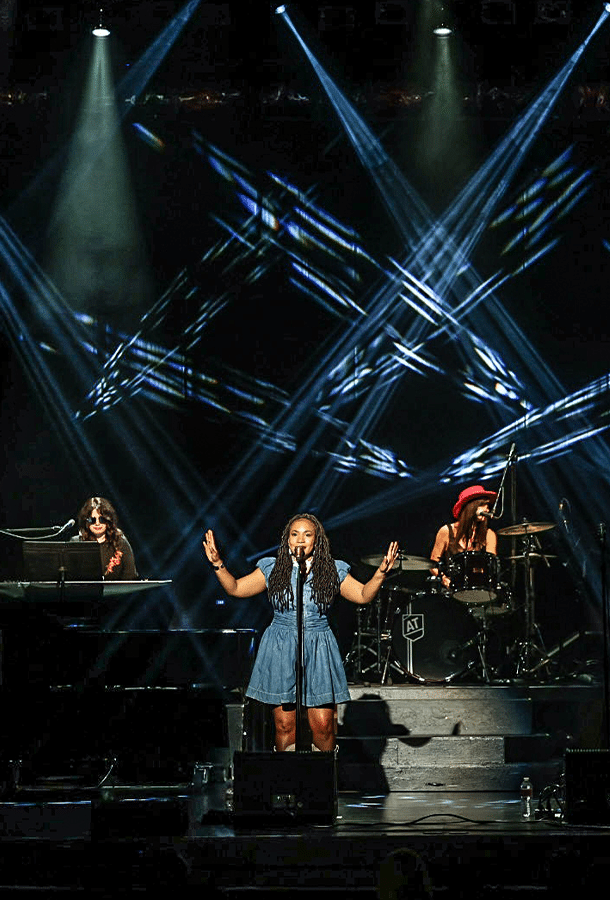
[(390, 558), (356, 592), (210, 548)]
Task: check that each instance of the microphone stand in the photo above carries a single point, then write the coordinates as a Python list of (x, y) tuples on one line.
[(300, 738), (509, 460), (512, 581), (44, 532)]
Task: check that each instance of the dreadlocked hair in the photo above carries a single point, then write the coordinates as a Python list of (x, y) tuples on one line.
[(325, 582)]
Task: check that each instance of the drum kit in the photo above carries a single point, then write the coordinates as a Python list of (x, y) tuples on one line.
[(467, 623)]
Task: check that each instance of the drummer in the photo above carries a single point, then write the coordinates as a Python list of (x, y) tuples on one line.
[(469, 530)]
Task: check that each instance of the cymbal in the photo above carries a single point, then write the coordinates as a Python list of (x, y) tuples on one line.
[(525, 528), (533, 556), (403, 561)]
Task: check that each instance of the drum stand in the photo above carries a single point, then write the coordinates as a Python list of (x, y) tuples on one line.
[(531, 650), (490, 670), (365, 653), (368, 655), (363, 657), (390, 664), (385, 637), (481, 642)]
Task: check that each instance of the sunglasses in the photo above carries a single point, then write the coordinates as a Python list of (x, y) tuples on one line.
[(97, 520)]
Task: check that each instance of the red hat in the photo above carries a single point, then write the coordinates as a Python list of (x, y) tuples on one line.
[(476, 492)]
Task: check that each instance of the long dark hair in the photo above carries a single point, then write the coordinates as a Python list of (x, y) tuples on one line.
[(325, 582), (469, 527), (105, 508)]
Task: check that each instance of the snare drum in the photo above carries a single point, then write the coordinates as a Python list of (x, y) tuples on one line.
[(474, 576), (502, 605), (434, 638)]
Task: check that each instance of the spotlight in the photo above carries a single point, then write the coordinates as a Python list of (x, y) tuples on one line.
[(100, 31), (280, 10), (442, 30), (607, 7)]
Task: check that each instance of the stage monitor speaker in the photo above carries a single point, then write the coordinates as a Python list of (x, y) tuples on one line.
[(587, 774), (271, 787)]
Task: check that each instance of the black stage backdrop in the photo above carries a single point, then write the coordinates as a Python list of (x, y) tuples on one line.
[(265, 372)]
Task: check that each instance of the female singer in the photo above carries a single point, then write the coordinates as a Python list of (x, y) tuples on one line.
[(273, 679)]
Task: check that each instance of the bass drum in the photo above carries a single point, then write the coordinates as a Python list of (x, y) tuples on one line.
[(434, 638)]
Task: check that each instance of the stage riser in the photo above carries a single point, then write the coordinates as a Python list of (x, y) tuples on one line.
[(405, 737), (429, 710), (446, 779), (444, 715), (461, 738), (442, 751), (436, 763)]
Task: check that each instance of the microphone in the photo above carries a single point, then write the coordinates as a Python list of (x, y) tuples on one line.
[(299, 555), (487, 515), (64, 527)]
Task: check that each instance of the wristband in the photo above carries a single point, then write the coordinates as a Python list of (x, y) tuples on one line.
[(221, 566)]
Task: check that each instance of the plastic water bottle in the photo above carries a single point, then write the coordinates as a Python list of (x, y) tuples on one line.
[(229, 800), (527, 797)]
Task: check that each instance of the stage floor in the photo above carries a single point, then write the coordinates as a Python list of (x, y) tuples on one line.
[(474, 844)]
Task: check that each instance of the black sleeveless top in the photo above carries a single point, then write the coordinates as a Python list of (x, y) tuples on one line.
[(453, 548)]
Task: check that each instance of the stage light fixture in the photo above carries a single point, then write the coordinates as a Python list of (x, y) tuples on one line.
[(442, 30), (101, 31), (280, 10)]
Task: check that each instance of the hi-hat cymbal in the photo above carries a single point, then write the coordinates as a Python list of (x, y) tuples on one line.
[(403, 561), (533, 556), (525, 528)]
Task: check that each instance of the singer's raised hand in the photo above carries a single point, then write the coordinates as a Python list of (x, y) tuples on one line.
[(390, 558), (210, 548)]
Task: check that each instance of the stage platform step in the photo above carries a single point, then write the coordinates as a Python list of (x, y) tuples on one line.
[(461, 763), (376, 779), (440, 709), (425, 710), (462, 737)]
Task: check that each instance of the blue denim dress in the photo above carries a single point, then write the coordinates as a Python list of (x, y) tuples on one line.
[(274, 674)]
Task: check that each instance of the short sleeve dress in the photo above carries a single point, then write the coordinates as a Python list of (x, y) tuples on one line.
[(273, 677)]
